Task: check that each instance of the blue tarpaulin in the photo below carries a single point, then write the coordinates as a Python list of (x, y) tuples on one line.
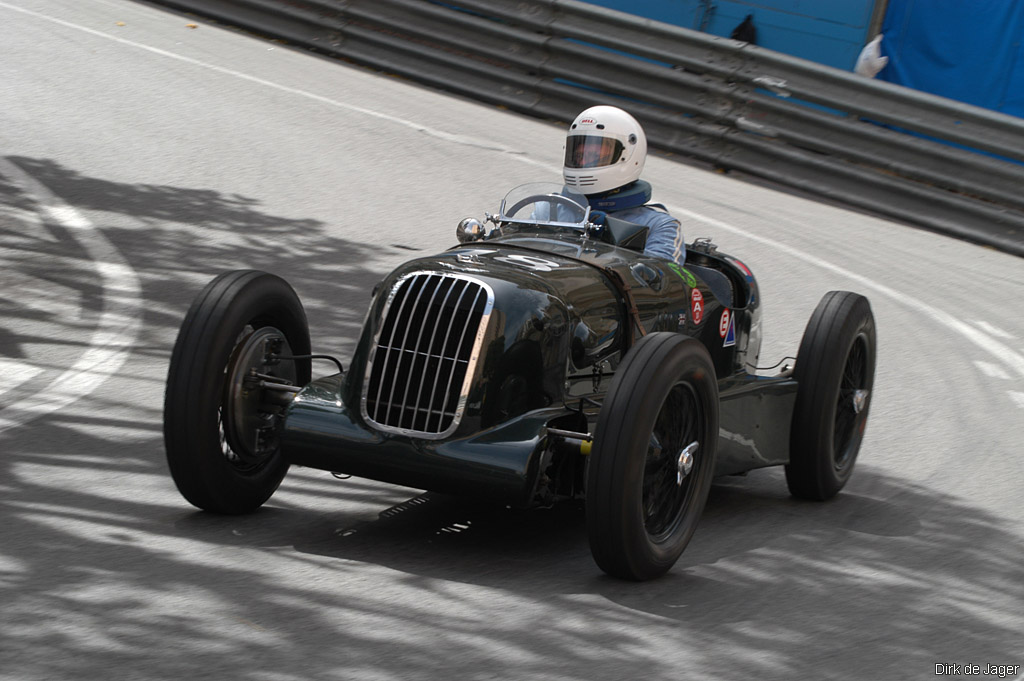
[(968, 50), (831, 32)]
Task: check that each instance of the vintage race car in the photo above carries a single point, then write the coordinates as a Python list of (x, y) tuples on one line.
[(545, 357)]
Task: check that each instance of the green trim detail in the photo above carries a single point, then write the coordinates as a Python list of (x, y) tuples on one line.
[(684, 274)]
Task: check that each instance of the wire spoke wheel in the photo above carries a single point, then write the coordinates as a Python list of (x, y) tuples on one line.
[(853, 393), (835, 370), (652, 460), (666, 485)]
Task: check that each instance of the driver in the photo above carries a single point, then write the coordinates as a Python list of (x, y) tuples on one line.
[(605, 151)]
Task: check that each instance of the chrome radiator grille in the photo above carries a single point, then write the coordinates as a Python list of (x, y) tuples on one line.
[(422, 360)]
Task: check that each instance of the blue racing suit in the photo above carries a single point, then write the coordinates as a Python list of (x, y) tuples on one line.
[(665, 238), (629, 203)]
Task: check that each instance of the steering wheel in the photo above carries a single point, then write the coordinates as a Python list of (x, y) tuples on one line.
[(553, 198)]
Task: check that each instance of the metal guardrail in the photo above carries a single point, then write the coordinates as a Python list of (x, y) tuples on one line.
[(931, 161)]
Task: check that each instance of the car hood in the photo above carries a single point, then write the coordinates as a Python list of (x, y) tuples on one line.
[(555, 266)]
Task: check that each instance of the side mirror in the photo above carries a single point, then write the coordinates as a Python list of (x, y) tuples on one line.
[(470, 229)]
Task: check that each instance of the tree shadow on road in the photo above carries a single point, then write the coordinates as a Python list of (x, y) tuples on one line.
[(775, 586), (157, 591), (176, 239), (182, 237)]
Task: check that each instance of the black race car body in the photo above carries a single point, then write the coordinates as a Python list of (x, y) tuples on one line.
[(469, 357), (548, 358)]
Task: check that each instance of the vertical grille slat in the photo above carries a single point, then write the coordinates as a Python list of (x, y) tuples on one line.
[(406, 361), (447, 394), (418, 362), (440, 366), (404, 294), (424, 352), (437, 365)]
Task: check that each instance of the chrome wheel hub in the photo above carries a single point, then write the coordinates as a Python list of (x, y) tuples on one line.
[(685, 463), (860, 398)]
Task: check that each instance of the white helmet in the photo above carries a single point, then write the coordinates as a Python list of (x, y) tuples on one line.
[(604, 149)]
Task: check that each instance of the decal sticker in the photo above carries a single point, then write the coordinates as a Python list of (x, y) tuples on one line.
[(738, 263), (682, 318), (691, 281), (697, 306), (684, 274), (530, 262), (730, 333), (723, 323)]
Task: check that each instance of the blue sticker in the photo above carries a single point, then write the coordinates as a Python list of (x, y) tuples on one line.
[(730, 335)]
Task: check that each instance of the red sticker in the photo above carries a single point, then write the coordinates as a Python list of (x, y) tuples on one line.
[(746, 270), (723, 324), (697, 306)]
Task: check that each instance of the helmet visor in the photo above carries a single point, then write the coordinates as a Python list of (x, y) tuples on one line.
[(591, 151)]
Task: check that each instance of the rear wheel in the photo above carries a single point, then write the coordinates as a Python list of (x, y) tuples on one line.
[(221, 424), (835, 369), (653, 455)]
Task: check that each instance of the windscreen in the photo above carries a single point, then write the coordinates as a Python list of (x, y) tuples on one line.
[(545, 202)]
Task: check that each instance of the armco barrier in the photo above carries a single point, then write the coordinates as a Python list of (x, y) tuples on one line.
[(931, 161)]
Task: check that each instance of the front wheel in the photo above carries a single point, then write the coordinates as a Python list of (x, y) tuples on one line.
[(835, 370), (221, 422), (653, 457)]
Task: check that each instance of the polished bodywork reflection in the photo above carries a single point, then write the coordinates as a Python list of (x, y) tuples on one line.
[(567, 299)]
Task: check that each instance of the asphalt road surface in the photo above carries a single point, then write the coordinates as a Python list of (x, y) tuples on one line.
[(139, 157)]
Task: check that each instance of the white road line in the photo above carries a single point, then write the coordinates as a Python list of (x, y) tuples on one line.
[(994, 330), (992, 370), (980, 338), (433, 132), (15, 373), (119, 322)]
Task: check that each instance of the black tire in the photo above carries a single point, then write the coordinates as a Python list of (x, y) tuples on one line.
[(835, 370), (220, 428), (641, 510)]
